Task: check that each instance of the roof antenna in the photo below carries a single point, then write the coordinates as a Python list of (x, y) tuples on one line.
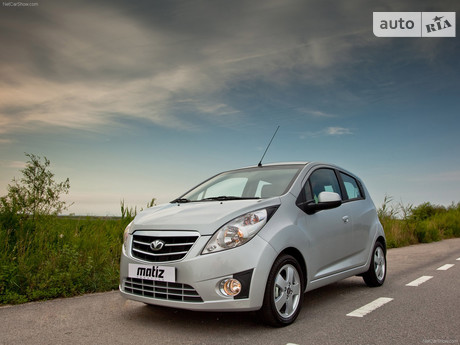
[(260, 163)]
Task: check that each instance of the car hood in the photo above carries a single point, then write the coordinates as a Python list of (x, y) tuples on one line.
[(205, 217)]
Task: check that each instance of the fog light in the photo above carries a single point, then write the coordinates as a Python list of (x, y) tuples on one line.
[(230, 287)]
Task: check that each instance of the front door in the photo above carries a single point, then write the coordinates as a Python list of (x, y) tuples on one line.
[(330, 232)]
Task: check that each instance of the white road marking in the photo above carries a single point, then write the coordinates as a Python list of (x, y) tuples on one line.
[(445, 267), (370, 307), (419, 281), (458, 259)]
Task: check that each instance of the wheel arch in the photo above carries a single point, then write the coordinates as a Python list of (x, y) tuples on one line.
[(296, 254), (382, 240)]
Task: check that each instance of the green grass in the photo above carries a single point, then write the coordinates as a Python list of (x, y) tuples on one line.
[(59, 257), (406, 225), (53, 256)]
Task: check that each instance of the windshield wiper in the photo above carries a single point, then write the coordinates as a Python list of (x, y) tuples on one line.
[(214, 198), (180, 201), (224, 197)]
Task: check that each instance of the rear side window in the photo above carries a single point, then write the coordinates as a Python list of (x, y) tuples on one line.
[(352, 187)]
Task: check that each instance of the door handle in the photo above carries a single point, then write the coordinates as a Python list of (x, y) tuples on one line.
[(346, 219)]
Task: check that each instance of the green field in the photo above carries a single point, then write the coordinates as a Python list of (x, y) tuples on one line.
[(51, 256), (59, 257), (406, 225)]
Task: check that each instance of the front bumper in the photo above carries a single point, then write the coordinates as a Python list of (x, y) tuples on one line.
[(198, 278)]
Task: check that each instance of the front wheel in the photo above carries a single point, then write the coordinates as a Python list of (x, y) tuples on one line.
[(284, 292), (377, 272)]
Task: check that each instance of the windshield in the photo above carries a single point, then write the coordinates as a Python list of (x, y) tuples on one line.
[(251, 183)]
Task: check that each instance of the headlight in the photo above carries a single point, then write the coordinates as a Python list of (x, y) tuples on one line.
[(126, 236), (236, 232)]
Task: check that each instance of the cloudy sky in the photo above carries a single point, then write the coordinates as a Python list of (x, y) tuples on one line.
[(140, 99)]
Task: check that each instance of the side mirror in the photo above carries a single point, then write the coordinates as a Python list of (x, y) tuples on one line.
[(326, 201)]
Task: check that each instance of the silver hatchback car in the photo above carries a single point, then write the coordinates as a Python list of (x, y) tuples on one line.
[(255, 238)]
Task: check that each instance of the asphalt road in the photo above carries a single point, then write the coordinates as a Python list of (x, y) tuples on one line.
[(425, 314)]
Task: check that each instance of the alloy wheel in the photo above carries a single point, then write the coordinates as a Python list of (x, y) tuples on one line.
[(287, 291)]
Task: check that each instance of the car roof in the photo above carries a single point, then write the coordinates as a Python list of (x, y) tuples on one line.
[(275, 164)]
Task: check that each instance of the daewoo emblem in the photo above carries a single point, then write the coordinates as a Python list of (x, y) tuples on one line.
[(157, 245)]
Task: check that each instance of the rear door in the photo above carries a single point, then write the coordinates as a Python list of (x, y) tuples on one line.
[(361, 214)]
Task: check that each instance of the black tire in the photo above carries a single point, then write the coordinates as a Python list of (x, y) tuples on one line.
[(377, 272), (283, 293)]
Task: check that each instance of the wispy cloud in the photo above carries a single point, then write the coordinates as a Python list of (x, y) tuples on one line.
[(78, 65), (16, 164), (338, 131), (316, 113), (329, 131), (13, 164), (5, 140), (442, 176)]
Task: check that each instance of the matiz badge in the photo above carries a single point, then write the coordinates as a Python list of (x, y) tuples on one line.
[(152, 272)]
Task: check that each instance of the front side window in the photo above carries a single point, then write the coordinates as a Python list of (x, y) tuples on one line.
[(321, 180)]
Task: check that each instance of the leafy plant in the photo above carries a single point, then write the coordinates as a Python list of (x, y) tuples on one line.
[(405, 225), (36, 193)]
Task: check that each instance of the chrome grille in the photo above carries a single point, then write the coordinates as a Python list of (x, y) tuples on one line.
[(175, 248), (161, 290)]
